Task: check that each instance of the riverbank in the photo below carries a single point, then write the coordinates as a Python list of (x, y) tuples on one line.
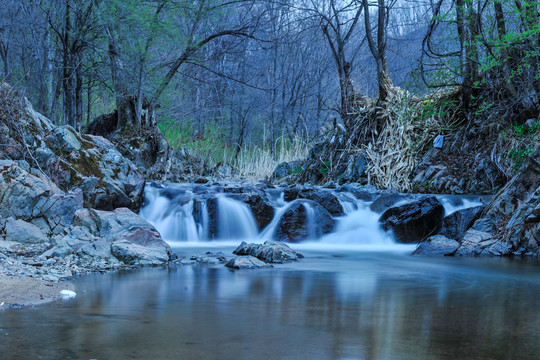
[(27, 291)]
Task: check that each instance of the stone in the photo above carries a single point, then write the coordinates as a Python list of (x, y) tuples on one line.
[(363, 192), (24, 232), (489, 176), (323, 197), (112, 236), (515, 209), (455, 224), (304, 219), (246, 262), (357, 164), (436, 245), (386, 201), (35, 199), (474, 242), (415, 221), (269, 252)]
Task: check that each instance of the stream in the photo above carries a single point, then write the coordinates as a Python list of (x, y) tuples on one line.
[(351, 297)]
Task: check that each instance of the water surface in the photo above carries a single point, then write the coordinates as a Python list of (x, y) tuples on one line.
[(334, 304)]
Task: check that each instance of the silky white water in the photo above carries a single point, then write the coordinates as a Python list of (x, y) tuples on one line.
[(185, 213)]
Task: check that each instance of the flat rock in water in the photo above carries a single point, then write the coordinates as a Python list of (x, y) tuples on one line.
[(269, 252), (437, 245), (246, 262)]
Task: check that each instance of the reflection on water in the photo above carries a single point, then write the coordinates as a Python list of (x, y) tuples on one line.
[(334, 305)]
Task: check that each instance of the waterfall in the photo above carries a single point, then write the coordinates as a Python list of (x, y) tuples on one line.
[(359, 227), (235, 220), (200, 213)]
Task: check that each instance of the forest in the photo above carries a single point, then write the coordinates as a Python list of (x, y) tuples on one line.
[(245, 80)]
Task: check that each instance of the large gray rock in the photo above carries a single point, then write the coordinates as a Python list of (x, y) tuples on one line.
[(107, 179), (24, 232), (386, 201), (246, 262), (33, 198), (415, 221), (304, 219), (437, 245), (119, 235), (269, 252)]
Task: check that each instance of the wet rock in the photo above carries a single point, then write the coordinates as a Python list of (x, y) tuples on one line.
[(437, 245), (269, 252), (386, 201), (246, 262), (323, 197), (363, 192), (455, 224), (413, 222), (209, 258), (304, 219)]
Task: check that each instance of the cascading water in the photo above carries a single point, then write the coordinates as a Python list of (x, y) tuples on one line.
[(235, 220), (195, 213)]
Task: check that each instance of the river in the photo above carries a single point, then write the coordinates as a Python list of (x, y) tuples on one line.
[(355, 295)]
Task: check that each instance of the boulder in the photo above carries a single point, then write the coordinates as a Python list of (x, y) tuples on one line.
[(246, 262), (24, 232), (415, 221), (287, 168), (269, 252), (304, 219), (514, 210), (386, 201), (323, 197), (33, 198), (455, 224), (436, 245), (119, 235)]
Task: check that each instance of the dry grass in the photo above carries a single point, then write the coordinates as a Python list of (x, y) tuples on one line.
[(408, 130), (259, 163)]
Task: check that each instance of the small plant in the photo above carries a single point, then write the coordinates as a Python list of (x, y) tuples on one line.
[(325, 168), (518, 156), (296, 170)]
